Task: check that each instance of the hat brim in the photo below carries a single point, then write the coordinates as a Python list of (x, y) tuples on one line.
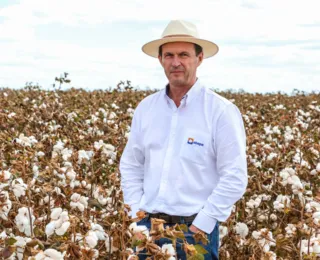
[(152, 48)]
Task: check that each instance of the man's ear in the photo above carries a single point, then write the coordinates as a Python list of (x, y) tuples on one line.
[(200, 58)]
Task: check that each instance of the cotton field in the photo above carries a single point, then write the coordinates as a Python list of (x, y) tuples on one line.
[(60, 195)]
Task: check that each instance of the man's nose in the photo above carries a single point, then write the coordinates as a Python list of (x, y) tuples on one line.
[(176, 61)]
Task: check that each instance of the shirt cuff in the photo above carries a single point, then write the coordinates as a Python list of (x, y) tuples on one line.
[(134, 209), (204, 222)]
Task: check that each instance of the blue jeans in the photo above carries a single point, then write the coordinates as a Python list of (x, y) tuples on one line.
[(212, 247)]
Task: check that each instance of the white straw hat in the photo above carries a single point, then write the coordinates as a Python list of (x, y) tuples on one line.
[(180, 31)]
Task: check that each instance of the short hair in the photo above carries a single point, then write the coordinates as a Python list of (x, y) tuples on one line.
[(197, 48)]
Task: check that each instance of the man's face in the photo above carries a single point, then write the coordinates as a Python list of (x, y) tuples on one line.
[(180, 63)]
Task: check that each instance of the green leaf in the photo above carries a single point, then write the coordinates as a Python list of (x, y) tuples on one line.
[(200, 249), (184, 227), (196, 257), (11, 241)]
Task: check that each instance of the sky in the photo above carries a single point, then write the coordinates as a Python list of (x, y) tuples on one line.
[(264, 45)]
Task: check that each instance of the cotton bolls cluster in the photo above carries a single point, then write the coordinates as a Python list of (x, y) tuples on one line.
[(6, 205), (134, 228), (23, 219), (242, 229), (26, 141), (84, 156), (18, 187), (289, 177), (50, 254), (281, 202), (106, 149), (78, 201), (103, 198), (169, 250), (312, 246), (59, 222), (264, 238)]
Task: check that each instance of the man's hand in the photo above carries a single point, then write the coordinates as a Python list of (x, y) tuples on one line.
[(194, 229)]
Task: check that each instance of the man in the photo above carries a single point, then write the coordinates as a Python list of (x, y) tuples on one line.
[(185, 158)]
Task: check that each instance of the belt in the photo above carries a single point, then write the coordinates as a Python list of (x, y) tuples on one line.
[(172, 219)]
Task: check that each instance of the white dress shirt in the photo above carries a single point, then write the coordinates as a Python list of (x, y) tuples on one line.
[(185, 160)]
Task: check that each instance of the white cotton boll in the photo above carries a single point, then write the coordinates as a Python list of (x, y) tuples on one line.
[(273, 217), (80, 206), (290, 229), (40, 154), (50, 228), (168, 249), (64, 216), (6, 175), (6, 205), (75, 197), (316, 218), (313, 172), (52, 254), (3, 235), (84, 201), (132, 227), (63, 229), (91, 239), (256, 234), (66, 154), (223, 231), (242, 229), (71, 174), (19, 187), (55, 214), (110, 161), (262, 218), (101, 235), (318, 167)]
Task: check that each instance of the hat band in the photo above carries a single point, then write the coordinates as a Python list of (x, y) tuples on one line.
[(178, 35)]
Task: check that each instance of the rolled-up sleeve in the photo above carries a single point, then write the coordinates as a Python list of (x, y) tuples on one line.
[(132, 167), (230, 148)]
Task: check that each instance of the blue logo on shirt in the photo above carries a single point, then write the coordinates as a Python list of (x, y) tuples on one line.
[(192, 141)]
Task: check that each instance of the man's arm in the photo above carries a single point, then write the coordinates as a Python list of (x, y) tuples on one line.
[(132, 167), (230, 148)]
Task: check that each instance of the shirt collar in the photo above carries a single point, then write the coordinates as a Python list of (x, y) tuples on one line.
[(192, 92)]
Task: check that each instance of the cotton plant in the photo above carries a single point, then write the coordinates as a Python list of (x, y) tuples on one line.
[(169, 251), (289, 176), (84, 156), (103, 196), (242, 229), (20, 245), (310, 246), (19, 187), (26, 141), (59, 223), (281, 202), (5, 205), (5, 177), (264, 238), (78, 201), (106, 149), (57, 148), (49, 254), (25, 220)]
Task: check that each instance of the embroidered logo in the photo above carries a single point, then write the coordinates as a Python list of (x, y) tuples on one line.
[(192, 141)]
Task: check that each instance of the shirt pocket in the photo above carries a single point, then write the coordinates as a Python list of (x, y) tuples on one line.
[(195, 147)]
